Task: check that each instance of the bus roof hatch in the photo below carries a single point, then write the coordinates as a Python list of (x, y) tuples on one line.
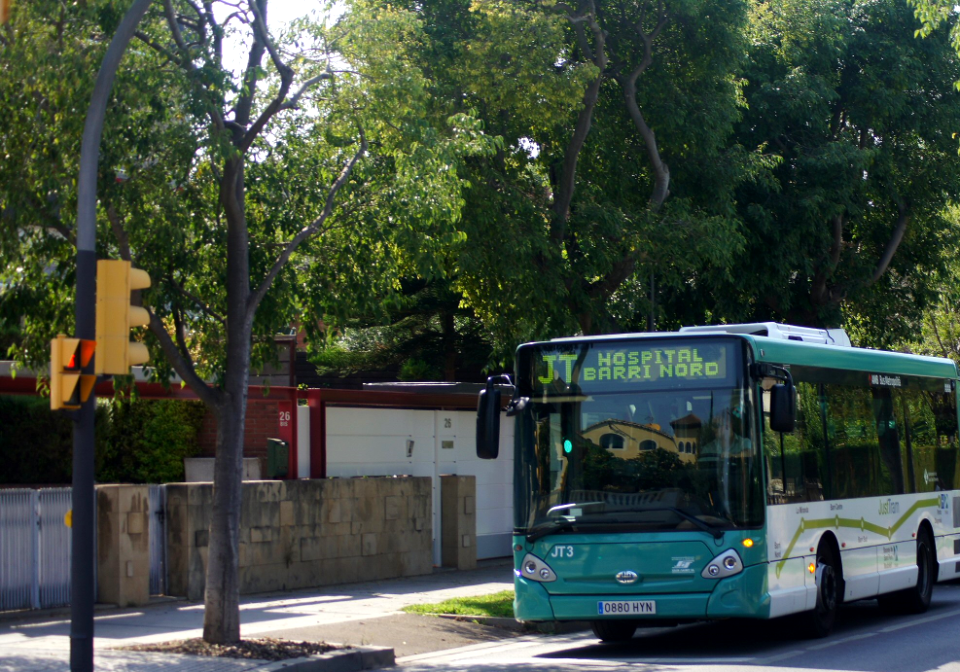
[(787, 332)]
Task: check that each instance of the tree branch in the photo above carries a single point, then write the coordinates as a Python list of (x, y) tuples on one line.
[(181, 337), (207, 394), (262, 37), (294, 100), (260, 27), (186, 62), (200, 304), (123, 241), (257, 296), (661, 172), (52, 222), (160, 49), (175, 27), (903, 220), (244, 104), (819, 295), (566, 183)]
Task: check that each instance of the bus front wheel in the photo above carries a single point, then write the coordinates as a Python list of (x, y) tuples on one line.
[(819, 622), (614, 631)]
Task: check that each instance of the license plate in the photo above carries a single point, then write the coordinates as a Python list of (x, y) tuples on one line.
[(627, 608)]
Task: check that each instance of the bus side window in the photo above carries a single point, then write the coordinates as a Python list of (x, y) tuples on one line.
[(889, 440), (793, 460), (933, 438)]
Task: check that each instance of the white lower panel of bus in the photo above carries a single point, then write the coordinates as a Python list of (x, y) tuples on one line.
[(898, 579), (791, 600)]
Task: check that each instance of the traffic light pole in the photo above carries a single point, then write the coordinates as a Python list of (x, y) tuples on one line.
[(82, 571)]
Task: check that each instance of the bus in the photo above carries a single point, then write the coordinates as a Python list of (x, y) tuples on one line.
[(737, 471)]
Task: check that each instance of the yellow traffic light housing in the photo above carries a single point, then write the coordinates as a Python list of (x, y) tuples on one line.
[(5, 10), (115, 317), (69, 387)]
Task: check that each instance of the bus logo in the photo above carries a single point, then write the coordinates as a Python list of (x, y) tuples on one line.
[(682, 566), (627, 577), (889, 507)]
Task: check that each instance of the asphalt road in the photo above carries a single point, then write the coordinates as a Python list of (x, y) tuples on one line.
[(864, 640)]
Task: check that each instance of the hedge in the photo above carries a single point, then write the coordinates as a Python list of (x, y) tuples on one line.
[(137, 441)]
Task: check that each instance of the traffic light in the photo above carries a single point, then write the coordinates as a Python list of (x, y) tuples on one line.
[(69, 387), (5, 10), (115, 316)]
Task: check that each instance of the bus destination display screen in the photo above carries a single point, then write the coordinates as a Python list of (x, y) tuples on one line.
[(616, 366)]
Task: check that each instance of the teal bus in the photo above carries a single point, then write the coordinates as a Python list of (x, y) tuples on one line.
[(737, 471)]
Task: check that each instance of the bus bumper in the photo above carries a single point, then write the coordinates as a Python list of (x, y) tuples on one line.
[(740, 596)]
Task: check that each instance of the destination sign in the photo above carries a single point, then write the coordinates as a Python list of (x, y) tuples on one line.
[(658, 363)]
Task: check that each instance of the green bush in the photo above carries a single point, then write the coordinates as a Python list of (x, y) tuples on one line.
[(36, 443), (147, 440), (137, 441)]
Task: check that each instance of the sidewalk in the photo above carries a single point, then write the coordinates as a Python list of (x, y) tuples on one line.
[(373, 608)]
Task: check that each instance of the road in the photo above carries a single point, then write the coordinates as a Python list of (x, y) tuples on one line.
[(864, 640)]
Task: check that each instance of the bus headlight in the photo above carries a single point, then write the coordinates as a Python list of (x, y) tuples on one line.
[(726, 564), (536, 569)]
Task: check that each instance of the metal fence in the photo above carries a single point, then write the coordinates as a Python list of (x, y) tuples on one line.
[(157, 530), (54, 542), (35, 547)]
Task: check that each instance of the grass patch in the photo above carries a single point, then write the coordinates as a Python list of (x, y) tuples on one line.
[(498, 604)]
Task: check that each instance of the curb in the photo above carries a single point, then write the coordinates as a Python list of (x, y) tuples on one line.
[(354, 659), (545, 627)]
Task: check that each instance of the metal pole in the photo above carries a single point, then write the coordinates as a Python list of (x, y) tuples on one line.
[(82, 570)]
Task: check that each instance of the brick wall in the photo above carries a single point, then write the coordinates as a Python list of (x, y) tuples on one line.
[(262, 423)]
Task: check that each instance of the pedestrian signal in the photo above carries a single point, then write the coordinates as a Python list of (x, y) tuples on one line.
[(69, 386)]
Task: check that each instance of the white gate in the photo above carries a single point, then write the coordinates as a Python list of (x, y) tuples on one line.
[(34, 548)]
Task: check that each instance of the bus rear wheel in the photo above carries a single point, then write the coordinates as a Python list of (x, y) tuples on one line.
[(614, 631), (916, 600)]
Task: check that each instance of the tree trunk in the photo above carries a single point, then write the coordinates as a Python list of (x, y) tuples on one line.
[(221, 615)]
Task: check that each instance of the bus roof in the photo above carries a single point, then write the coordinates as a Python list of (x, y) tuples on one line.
[(779, 351)]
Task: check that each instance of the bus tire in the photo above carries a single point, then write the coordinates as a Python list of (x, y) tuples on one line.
[(614, 631), (819, 622), (916, 600)]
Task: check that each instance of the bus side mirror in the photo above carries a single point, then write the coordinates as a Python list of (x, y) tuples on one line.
[(488, 423), (783, 407)]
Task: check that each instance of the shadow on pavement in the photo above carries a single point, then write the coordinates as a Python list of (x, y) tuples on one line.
[(852, 645)]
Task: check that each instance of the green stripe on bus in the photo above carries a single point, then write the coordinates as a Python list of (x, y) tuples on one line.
[(852, 523)]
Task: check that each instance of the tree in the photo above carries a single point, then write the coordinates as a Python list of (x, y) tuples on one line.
[(615, 123), (295, 187), (850, 222), (424, 333)]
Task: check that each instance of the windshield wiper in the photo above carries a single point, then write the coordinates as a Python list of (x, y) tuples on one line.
[(706, 527), (544, 529), (549, 528)]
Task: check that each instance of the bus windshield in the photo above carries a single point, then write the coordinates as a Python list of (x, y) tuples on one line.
[(661, 452)]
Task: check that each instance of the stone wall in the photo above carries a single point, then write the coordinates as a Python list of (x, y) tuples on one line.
[(123, 545), (306, 533), (458, 521)]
